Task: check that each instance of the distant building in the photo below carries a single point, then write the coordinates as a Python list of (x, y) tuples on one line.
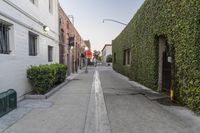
[(28, 36), (70, 43), (107, 50), (88, 44)]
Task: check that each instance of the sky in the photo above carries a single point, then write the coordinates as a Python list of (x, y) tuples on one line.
[(89, 15)]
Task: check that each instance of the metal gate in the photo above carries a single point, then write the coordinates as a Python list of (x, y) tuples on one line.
[(8, 101)]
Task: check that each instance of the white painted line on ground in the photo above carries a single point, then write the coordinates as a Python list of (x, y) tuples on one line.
[(97, 117), (102, 122)]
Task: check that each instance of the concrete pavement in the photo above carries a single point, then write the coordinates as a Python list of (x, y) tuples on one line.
[(66, 115), (131, 110), (102, 101)]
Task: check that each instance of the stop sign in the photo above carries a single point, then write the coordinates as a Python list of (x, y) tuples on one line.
[(88, 54)]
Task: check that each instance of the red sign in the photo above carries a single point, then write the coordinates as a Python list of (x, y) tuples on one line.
[(88, 54)]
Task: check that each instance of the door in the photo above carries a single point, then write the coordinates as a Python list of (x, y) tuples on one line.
[(165, 66)]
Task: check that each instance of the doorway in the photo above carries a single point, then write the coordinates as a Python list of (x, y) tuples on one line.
[(165, 66)]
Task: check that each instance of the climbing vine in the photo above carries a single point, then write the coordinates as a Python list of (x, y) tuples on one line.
[(179, 21)]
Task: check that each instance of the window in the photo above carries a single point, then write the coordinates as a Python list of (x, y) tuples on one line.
[(4, 38), (62, 36), (127, 57), (67, 24), (60, 21), (50, 53), (51, 6), (115, 58), (32, 44), (32, 1)]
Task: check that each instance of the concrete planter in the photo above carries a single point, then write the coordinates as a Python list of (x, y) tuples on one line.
[(47, 95)]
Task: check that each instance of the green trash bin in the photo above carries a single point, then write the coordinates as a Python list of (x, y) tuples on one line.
[(8, 101)]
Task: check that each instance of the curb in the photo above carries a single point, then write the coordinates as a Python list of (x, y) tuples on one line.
[(134, 83), (54, 90), (47, 95)]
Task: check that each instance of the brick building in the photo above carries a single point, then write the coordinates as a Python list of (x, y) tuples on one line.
[(70, 42)]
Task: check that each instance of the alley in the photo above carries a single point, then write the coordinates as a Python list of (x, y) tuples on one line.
[(102, 101), (131, 110), (67, 113)]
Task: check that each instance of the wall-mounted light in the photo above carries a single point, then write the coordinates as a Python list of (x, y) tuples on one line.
[(46, 28), (86, 48)]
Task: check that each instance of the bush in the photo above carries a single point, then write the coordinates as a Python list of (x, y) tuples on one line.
[(60, 71), (191, 98), (44, 77), (109, 59)]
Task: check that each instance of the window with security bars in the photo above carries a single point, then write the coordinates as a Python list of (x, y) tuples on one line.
[(50, 53), (32, 44), (4, 38)]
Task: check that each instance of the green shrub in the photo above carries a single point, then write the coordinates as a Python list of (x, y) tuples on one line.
[(109, 59), (44, 77), (60, 72), (191, 98)]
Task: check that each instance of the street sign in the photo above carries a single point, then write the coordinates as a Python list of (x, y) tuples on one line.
[(88, 54)]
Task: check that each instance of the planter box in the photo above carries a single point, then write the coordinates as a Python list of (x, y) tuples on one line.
[(45, 96)]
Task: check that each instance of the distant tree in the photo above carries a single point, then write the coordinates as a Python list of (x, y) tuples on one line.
[(96, 54), (109, 59)]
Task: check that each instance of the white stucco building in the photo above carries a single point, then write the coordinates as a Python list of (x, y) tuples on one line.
[(107, 50), (24, 42)]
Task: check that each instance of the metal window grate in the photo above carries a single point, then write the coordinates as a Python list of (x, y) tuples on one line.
[(50, 53), (32, 44), (4, 39)]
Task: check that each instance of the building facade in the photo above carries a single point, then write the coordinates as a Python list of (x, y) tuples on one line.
[(160, 47), (28, 36), (70, 42), (106, 51), (88, 44)]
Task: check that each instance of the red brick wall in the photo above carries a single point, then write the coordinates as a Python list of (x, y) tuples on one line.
[(68, 29)]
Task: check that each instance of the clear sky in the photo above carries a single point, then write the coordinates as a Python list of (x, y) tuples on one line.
[(89, 14)]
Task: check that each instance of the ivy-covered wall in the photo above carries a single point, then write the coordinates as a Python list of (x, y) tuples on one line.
[(179, 22)]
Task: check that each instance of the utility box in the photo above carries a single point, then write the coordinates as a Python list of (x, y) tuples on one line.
[(8, 101)]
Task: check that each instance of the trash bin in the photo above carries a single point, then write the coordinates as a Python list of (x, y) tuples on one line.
[(8, 101)]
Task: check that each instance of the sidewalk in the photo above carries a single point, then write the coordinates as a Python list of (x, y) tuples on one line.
[(65, 111)]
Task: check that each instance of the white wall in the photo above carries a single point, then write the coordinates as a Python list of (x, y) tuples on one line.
[(106, 51), (14, 65)]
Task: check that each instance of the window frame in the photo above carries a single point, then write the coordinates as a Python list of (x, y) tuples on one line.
[(50, 53), (115, 60), (127, 57), (51, 5), (32, 1), (5, 43), (33, 50)]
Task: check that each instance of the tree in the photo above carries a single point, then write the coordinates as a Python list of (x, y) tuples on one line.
[(109, 59), (96, 55)]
